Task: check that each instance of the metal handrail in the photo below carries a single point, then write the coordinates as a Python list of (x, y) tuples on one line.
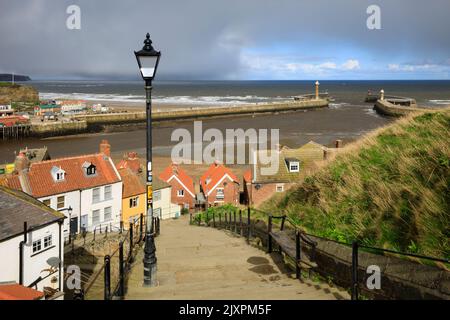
[(303, 233)]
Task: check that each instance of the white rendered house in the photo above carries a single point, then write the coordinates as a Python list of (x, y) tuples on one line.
[(86, 189), (32, 258)]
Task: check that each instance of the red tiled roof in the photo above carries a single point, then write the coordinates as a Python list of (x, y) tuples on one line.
[(175, 170), (132, 185), (132, 161), (248, 175), (11, 181), (9, 121), (214, 174), (42, 184), (18, 292)]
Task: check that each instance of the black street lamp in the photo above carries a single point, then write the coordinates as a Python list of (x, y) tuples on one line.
[(148, 59)]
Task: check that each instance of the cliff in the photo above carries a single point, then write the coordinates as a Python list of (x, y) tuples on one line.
[(17, 93)]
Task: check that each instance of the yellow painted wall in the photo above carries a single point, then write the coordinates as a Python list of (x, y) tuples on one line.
[(128, 212)]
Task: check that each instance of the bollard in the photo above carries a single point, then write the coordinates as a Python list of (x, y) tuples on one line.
[(107, 273), (355, 270)]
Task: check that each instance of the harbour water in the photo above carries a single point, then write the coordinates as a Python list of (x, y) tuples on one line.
[(347, 118)]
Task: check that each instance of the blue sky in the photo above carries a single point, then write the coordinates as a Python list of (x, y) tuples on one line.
[(228, 39)]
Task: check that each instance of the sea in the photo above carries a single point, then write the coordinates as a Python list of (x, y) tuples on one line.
[(347, 118), (240, 92)]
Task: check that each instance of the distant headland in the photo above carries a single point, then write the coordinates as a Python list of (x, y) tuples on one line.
[(16, 77)]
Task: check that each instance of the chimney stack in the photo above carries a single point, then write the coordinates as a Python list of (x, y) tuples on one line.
[(21, 162), (105, 148), (338, 144), (132, 155)]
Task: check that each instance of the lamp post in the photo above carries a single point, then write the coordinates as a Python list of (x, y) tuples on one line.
[(148, 59), (69, 211)]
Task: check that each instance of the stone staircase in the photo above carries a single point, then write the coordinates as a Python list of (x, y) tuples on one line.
[(205, 263)]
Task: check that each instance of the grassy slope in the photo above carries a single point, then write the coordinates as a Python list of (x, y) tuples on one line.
[(391, 189)]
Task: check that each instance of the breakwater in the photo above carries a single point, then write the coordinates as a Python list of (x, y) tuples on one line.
[(240, 110), (98, 122), (390, 108)]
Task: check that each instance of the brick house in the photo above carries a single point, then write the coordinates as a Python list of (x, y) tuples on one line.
[(293, 164), (219, 186), (183, 192)]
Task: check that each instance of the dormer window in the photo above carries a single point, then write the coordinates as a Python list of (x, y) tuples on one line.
[(58, 174), (293, 165), (89, 169)]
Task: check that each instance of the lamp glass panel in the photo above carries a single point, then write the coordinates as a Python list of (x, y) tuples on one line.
[(148, 64)]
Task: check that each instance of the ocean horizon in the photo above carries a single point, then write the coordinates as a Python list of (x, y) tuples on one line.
[(232, 92)]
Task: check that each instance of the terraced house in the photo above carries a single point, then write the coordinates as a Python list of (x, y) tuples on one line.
[(219, 186), (293, 164), (32, 246), (183, 192), (87, 188)]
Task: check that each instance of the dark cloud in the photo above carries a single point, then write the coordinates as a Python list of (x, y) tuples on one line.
[(208, 39)]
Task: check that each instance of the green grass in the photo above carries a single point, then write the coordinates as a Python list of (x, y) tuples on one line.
[(390, 190), (8, 84)]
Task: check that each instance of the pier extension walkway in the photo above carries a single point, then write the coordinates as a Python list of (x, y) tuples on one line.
[(205, 263)]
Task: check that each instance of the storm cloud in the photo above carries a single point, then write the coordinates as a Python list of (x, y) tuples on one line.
[(227, 39)]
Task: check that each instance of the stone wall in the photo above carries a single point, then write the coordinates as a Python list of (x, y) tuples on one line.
[(45, 129), (387, 108)]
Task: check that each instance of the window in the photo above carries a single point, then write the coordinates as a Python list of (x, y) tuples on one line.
[(60, 202), (96, 195), (107, 215), (180, 193), (47, 202), (37, 246), (294, 166), (90, 170), (96, 217), (219, 193), (186, 205), (57, 173), (157, 195), (134, 202), (280, 187), (108, 193), (47, 241)]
